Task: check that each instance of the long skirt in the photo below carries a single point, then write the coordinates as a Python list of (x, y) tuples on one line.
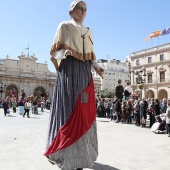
[(72, 132)]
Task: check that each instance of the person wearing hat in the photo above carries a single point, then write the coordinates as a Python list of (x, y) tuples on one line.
[(119, 90), (72, 135), (128, 91)]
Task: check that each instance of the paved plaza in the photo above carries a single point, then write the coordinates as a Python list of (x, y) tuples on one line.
[(121, 146)]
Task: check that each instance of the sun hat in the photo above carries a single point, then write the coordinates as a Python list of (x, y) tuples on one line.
[(73, 4)]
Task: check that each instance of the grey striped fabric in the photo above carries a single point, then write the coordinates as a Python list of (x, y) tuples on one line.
[(73, 77)]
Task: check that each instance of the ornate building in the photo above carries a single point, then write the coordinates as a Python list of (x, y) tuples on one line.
[(25, 73), (150, 72)]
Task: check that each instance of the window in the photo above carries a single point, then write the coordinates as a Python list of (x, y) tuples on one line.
[(149, 59), (137, 62), (161, 57), (162, 76), (149, 78)]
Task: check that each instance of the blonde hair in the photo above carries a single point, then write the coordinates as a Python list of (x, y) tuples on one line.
[(7, 98)]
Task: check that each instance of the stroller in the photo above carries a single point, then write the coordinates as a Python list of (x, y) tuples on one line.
[(160, 125), (35, 109)]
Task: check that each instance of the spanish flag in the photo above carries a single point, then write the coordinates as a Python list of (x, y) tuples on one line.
[(153, 34)]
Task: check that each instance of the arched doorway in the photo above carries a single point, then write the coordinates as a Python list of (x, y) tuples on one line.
[(162, 94), (40, 92), (11, 91), (150, 94)]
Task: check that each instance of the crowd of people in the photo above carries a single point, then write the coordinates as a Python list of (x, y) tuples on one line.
[(135, 111), (25, 104)]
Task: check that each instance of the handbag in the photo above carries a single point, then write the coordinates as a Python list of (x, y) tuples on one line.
[(143, 121), (8, 111)]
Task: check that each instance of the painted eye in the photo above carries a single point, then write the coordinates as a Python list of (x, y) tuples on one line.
[(81, 8)]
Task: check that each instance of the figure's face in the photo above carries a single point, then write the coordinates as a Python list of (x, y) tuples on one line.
[(79, 12)]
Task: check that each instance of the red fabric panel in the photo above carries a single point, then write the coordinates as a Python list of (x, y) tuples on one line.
[(81, 120)]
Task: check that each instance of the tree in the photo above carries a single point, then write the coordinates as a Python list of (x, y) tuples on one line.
[(107, 94)]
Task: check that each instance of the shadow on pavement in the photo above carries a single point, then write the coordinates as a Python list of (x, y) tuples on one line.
[(103, 120), (10, 116), (34, 117), (98, 166)]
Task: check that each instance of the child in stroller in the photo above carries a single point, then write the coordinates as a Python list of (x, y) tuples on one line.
[(160, 125), (35, 108)]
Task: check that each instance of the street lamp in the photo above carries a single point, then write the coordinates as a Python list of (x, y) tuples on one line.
[(140, 79), (2, 87)]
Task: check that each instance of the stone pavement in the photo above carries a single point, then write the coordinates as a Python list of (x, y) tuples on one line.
[(121, 146)]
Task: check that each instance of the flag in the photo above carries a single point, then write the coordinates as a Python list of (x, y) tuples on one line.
[(153, 34)]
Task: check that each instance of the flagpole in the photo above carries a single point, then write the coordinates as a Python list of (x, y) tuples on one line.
[(28, 50), (158, 41)]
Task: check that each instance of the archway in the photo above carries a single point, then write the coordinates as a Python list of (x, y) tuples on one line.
[(11, 91), (40, 92), (150, 94), (162, 94)]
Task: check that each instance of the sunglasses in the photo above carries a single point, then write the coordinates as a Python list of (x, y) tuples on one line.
[(81, 8)]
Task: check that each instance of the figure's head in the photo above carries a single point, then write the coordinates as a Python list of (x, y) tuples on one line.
[(78, 10), (119, 81), (128, 83)]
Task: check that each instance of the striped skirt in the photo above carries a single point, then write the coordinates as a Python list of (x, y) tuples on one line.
[(72, 132)]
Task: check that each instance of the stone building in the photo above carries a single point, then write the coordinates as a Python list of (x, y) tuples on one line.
[(150, 72), (34, 78), (25, 73)]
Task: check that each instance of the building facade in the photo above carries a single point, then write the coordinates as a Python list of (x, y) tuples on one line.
[(150, 72), (25, 73), (113, 71)]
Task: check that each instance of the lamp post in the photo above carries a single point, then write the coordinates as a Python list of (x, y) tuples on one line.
[(2, 88), (140, 80)]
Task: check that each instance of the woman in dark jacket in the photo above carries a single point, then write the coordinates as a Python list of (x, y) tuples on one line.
[(143, 110), (151, 113), (156, 109), (128, 112), (6, 105), (118, 110)]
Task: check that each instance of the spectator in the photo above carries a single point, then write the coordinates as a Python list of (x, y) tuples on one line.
[(151, 112), (163, 105), (27, 107), (123, 112), (14, 105), (128, 112), (118, 110), (168, 117), (137, 113), (6, 105), (143, 110)]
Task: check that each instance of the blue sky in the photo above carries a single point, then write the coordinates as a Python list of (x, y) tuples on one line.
[(119, 26)]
